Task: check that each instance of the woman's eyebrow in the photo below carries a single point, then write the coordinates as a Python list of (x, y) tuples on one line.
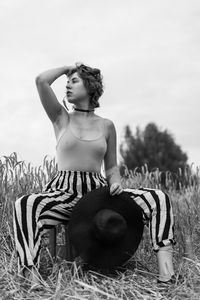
[(74, 78)]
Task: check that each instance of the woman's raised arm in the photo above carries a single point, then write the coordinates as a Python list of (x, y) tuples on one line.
[(48, 98)]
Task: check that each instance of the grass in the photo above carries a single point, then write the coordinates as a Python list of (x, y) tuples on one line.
[(69, 280)]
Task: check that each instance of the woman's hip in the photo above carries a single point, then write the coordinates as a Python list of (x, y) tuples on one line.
[(79, 182)]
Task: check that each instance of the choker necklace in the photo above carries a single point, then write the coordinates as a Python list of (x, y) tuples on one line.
[(83, 110)]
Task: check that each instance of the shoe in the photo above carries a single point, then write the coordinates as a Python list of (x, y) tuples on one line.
[(165, 264)]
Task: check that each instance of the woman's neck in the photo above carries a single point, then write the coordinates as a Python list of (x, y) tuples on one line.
[(83, 109)]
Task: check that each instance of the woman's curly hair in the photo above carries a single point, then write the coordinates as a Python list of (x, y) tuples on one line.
[(92, 81)]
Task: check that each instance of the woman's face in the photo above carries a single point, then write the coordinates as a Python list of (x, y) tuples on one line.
[(76, 90)]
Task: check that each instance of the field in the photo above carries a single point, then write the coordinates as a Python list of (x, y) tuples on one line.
[(64, 280)]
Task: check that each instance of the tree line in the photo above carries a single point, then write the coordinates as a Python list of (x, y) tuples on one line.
[(155, 148)]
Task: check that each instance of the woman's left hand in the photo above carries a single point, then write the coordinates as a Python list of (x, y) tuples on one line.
[(115, 189)]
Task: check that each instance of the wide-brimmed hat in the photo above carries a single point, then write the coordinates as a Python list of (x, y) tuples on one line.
[(106, 230)]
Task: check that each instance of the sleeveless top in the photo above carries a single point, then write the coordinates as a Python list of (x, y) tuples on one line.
[(76, 154)]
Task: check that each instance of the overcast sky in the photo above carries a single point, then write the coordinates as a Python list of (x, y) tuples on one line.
[(148, 51)]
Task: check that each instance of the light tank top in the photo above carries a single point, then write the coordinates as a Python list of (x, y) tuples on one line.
[(74, 153)]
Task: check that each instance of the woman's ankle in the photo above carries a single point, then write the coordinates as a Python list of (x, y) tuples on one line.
[(32, 275), (165, 263)]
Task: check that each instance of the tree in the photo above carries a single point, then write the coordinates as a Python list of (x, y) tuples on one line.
[(153, 147)]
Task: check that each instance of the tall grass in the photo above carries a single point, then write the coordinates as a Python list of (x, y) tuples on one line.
[(64, 280)]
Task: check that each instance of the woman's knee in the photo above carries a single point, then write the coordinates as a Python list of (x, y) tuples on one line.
[(19, 201)]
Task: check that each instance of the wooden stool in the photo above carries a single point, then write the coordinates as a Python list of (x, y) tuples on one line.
[(65, 251)]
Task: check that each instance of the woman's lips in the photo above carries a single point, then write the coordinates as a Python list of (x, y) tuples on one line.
[(69, 93)]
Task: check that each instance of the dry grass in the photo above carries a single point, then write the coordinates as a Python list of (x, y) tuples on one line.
[(64, 280)]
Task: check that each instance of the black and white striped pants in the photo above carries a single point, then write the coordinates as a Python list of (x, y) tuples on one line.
[(36, 213)]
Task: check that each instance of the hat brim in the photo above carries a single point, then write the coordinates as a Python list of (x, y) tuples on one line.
[(87, 246)]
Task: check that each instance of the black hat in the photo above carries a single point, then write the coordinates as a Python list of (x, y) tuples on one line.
[(106, 230)]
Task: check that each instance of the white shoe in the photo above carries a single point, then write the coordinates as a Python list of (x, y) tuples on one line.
[(165, 264)]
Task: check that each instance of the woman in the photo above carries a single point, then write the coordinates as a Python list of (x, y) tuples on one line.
[(84, 142)]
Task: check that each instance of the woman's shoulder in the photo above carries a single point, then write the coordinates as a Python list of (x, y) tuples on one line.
[(109, 127), (107, 122)]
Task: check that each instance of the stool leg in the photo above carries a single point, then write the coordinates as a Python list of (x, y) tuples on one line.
[(70, 253), (52, 242)]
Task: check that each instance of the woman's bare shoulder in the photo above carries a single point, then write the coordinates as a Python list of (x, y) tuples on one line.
[(108, 126), (108, 122)]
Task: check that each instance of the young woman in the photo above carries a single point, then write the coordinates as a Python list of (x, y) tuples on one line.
[(84, 142)]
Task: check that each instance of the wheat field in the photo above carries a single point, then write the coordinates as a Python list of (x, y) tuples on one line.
[(138, 279)]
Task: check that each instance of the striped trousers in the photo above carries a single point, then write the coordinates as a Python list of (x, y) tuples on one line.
[(34, 214)]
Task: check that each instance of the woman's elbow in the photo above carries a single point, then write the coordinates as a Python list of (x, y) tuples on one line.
[(39, 80)]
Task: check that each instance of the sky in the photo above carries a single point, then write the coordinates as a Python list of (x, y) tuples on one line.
[(148, 52)]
